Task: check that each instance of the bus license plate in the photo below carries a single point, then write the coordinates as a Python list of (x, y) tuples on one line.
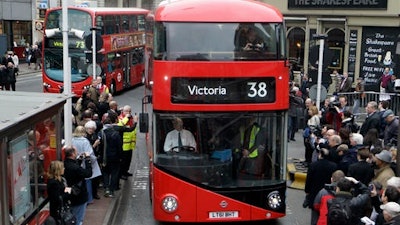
[(227, 214)]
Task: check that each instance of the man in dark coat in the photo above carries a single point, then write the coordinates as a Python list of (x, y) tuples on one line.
[(373, 119), (362, 170), (319, 173), (75, 175), (110, 154)]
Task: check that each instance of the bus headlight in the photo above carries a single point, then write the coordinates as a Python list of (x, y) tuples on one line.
[(274, 200), (170, 204)]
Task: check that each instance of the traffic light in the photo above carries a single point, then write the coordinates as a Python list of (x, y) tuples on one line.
[(99, 58), (99, 42)]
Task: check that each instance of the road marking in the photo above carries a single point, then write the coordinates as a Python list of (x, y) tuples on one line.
[(141, 179)]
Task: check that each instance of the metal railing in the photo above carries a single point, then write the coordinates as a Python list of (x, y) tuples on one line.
[(352, 97)]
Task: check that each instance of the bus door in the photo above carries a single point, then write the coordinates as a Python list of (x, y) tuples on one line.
[(126, 68)]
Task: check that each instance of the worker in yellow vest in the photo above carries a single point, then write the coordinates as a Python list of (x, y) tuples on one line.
[(129, 139), (253, 142)]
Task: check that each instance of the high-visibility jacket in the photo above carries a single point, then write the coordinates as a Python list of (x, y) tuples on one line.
[(128, 138), (252, 140)]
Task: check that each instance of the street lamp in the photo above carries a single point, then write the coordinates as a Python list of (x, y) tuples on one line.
[(321, 38)]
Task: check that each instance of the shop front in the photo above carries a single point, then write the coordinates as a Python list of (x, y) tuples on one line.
[(362, 36)]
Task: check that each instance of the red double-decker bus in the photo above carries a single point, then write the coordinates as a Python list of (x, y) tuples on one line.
[(120, 58), (229, 90)]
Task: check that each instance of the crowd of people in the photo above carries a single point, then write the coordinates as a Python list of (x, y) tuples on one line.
[(9, 65), (100, 154), (355, 162)]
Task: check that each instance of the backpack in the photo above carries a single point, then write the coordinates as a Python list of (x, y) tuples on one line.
[(339, 211)]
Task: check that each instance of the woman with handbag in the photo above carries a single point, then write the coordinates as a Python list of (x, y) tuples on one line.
[(57, 190)]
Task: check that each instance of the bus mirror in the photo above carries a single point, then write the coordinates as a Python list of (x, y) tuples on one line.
[(144, 122), (78, 33), (52, 32)]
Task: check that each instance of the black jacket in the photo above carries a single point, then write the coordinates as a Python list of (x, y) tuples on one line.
[(362, 171), (372, 121), (319, 173), (358, 203), (55, 191), (74, 174)]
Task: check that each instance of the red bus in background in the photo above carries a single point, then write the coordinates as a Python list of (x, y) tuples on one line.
[(121, 59), (230, 96)]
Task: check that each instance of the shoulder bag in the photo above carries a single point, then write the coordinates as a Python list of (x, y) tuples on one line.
[(66, 215)]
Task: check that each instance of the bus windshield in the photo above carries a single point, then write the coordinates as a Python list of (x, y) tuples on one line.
[(53, 64), (53, 46), (215, 156), (76, 19), (248, 41)]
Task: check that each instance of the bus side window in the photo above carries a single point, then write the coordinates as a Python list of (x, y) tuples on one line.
[(133, 25), (124, 24), (118, 24), (109, 25), (100, 23)]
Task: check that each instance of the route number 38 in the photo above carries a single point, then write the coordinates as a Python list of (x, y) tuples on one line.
[(257, 89)]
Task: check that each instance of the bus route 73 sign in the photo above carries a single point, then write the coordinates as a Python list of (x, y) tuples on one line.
[(223, 90)]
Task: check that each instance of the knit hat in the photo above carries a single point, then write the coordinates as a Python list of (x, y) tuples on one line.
[(387, 113), (391, 207)]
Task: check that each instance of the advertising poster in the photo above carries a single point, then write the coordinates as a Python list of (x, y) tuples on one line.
[(378, 51), (20, 186)]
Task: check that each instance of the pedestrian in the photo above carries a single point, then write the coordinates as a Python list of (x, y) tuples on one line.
[(28, 54), (359, 97), (373, 119), (295, 102), (319, 173), (15, 61), (307, 137), (126, 119), (384, 81), (362, 170), (3, 76), (384, 172), (391, 128), (11, 77), (391, 213), (110, 154), (75, 175), (38, 56), (83, 146), (356, 204), (326, 193), (57, 189), (95, 141), (345, 84), (33, 55)]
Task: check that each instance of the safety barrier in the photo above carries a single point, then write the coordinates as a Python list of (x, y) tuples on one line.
[(297, 173), (352, 97)]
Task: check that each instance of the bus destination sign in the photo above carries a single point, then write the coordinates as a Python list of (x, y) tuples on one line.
[(223, 90), (72, 43)]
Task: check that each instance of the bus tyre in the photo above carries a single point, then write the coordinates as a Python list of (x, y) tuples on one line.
[(113, 88)]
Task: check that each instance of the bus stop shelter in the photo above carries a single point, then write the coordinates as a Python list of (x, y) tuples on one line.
[(30, 138)]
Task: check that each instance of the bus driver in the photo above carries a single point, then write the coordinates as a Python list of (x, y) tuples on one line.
[(179, 138)]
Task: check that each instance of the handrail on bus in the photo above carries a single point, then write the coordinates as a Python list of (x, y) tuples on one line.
[(144, 116)]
